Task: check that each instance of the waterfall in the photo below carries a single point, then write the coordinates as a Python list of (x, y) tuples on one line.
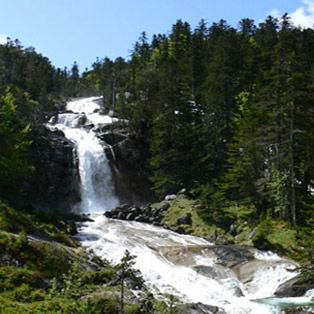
[(97, 192), (169, 262)]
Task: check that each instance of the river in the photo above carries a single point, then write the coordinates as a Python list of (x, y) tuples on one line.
[(185, 266)]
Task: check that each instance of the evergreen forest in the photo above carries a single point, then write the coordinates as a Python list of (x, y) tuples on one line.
[(226, 113)]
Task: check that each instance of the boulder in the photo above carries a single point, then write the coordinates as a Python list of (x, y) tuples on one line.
[(185, 220), (164, 206), (295, 287), (170, 197), (130, 216), (121, 215)]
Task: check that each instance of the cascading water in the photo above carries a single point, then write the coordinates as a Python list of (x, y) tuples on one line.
[(169, 262), (97, 192)]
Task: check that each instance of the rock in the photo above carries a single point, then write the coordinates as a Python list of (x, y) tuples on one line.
[(170, 197), (207, 271), (129, 172), (56, 169), (164, 206), (185, 220), (182, 191), (112, 138), (82, 119), (252, 234), (222, 240), (214, 236), (182, 196), (130, 216), (200, 308), (141, 218), (295, 287), (108, 214), (136, 210), (180, 230), (121, 215), (147, 210), (232, 255), (78, 217), (232, 229), (112, 114)]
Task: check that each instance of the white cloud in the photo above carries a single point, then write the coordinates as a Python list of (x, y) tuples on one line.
[(3, 39), (302, 16)]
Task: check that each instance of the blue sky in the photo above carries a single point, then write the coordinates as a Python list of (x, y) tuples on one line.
[(81, 30)]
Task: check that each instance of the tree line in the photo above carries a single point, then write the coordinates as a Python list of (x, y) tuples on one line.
[(30, 88), (225, 112)]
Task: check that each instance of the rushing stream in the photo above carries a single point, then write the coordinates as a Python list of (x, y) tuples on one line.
[(185, 266)]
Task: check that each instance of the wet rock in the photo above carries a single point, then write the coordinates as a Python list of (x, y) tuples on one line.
[(78, 217), (121, 215), (232, 255), (200, 308), (207, 271), (112, 138), (82, 119), (130, 216), (108, 214), (295, 287)]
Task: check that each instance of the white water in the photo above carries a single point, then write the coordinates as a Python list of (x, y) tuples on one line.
[(97, 192), (167, 260)]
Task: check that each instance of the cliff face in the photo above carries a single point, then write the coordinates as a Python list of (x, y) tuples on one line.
[(130, 176), (55, 181)]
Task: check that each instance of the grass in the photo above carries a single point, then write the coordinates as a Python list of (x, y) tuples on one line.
[(268, 234), (181, 207), (44, 270)]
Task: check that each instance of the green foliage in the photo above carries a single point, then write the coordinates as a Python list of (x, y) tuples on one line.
[(166, 303), (14, 144), (221, 105)]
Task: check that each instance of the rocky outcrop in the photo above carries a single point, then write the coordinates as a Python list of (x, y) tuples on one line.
[(297, 286), (127, 164), (54, 183), (144, 213)]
